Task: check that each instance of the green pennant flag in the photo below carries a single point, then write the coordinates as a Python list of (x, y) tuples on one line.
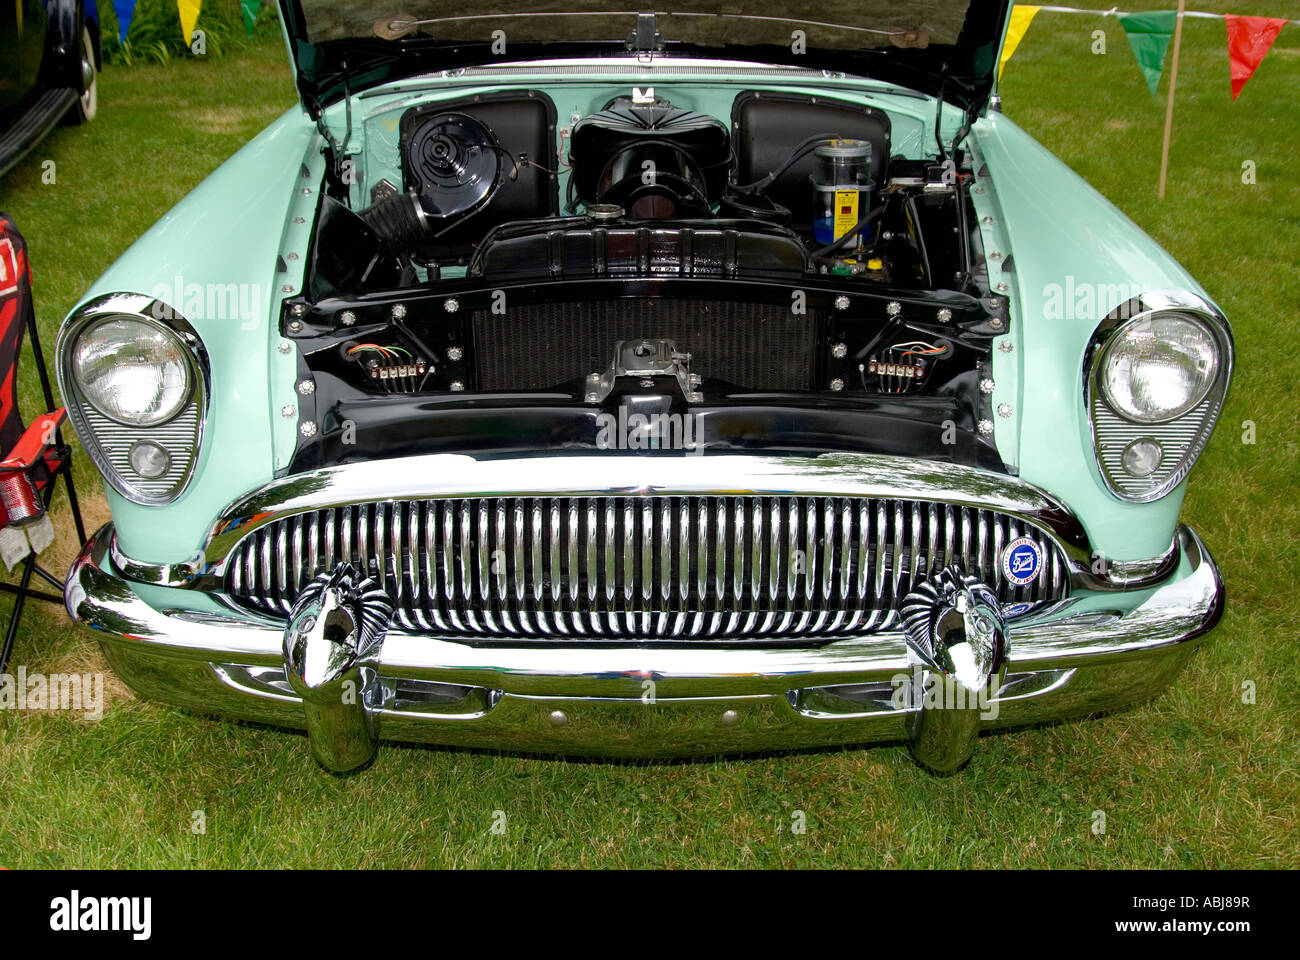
[(249, 8), (1148, 35)]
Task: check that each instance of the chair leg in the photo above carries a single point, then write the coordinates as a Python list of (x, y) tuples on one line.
[(17, 613), (48, 577), (66, 470), (55, 598), (72, 501)]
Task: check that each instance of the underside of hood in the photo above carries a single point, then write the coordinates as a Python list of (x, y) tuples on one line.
[(943, 48)]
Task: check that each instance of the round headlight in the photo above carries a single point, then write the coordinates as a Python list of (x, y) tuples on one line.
[(1158, 367), (132, 371)]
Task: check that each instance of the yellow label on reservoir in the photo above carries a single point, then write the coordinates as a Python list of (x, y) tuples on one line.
[(846, 211)]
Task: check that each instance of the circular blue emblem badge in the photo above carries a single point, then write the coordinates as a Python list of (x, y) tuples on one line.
[(1021, 561)]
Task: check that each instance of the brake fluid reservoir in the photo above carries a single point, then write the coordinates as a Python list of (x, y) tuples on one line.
[(841, 186)]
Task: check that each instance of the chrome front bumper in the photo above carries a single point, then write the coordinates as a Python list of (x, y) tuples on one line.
[(1092, 652)]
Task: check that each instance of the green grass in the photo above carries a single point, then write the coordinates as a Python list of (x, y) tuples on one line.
[(1195, 778)]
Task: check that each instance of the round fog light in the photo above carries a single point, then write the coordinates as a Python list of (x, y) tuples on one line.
[(149, 460), (1141, 458)]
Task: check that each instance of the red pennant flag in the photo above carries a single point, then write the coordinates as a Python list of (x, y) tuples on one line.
[(1249, 39)]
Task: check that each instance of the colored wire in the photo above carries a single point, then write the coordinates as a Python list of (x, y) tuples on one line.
[(384, 351), (560, 153), (918, 348)]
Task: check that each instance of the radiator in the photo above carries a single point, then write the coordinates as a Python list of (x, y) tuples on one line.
[(758, 346)]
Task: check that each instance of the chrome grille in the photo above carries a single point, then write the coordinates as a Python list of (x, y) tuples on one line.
[(657, 567)]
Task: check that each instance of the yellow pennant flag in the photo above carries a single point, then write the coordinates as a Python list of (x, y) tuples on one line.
[(1021, 17), (189, 10)]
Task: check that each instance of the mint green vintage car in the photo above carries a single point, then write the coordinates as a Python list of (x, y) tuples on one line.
[(645, 385)]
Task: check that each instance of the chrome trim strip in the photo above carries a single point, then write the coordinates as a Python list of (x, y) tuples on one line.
[(462, 476)]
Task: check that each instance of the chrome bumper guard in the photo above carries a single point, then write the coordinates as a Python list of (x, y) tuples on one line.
[(1089, 653)]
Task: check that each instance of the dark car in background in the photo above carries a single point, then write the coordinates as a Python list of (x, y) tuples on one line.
[(49, 63)]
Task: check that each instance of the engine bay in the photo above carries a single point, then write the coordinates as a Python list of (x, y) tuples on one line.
[(817, 170), (653, 257)]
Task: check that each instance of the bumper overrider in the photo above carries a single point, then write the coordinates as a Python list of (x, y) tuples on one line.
[(952, 663)]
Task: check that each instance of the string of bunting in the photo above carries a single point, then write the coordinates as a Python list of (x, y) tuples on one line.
[(1249, 38), (189, 13)]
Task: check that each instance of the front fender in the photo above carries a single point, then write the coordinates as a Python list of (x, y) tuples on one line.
[(216, 258), (1069, 258)]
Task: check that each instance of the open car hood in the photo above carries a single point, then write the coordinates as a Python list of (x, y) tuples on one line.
[(945, 48)]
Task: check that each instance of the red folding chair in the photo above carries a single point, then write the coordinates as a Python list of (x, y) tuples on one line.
[(35, 455)]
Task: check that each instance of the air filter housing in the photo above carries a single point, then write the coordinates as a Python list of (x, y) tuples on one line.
[(654, 159)]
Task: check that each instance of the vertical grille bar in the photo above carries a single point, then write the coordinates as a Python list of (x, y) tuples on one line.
[(555, 572), (701, 563), (666, 598), (611, 566), (592, 537), (719, 540), (573, 571), (520, 568), (647, 565)]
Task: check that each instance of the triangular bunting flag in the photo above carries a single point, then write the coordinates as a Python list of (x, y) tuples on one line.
[(125, 10), (1249, 39), (189, 11), (1148, 35), (1021, 17), (250, 8)]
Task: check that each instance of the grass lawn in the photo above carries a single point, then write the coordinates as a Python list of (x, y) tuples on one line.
[(1196, 778)]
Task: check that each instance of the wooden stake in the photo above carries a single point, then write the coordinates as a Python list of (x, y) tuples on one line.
[(1169, 107)]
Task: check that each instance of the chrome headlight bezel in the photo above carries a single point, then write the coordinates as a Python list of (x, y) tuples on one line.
[(1183, 436), (109, 440)]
